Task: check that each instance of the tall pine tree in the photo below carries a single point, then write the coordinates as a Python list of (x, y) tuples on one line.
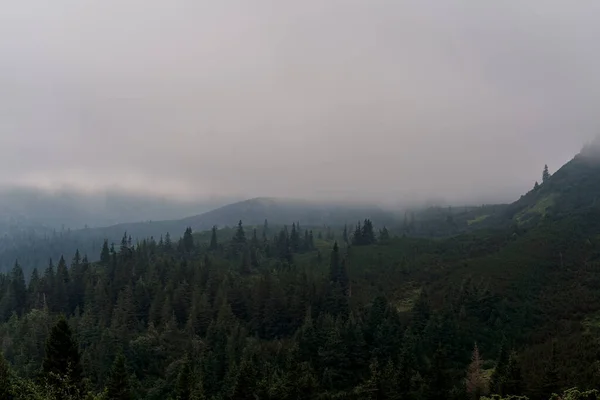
[(184, 385), (105, 254), (19, 290), (213, 238), (545, 174), (513, 380), (5, 381), (499, 376), (475, 382), (61, 365), (550, 380), (117, 387), (188, 240)]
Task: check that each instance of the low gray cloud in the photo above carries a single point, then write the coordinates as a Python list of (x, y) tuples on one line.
[(382, 100)]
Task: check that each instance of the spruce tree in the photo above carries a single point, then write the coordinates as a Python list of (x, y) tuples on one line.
[(475, 381), (499, 377), (18, 288), (61, 365), (367, 233), (124, 249), (197, 389), (294, 239), (105, 254), (545, 174), (200, 314), (34, 290), (438, 382), (239, 240), (240, 235), (334, 356), (168, 243), (61, 289), (118, 387), (77, 282), (375, 317), (370, 389), (513, 382), (184, 384), (421, 312), (248, 374), (265, 232), (188, 240), (49, 284), (550, 381), (245, 263), (384, 235), (254, 241), (213, 238), (5, 381), (334, 265)]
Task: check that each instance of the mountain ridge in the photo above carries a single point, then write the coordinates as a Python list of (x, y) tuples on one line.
[(254, 212), (571, 190)]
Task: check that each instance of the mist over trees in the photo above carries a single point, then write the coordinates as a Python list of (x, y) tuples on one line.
[(445, 303)]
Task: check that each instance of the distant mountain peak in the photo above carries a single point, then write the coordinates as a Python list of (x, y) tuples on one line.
[(573, 188)]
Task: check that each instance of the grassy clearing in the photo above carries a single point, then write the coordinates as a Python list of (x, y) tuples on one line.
[(539, 208), (477, 219)]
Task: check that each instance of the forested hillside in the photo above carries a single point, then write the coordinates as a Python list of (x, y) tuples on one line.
[(288, 315), (299, 200), (300, 312), (34, 248)]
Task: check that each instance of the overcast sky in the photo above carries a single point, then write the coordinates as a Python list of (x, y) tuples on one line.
[(365, 99)]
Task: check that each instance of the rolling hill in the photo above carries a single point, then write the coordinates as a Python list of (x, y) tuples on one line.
[(574, 188), (252, 212), (32, 249), (25, 209), (524, 275), (567, 199)]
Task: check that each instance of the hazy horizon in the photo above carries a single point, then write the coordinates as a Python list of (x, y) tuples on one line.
[(380, 101)]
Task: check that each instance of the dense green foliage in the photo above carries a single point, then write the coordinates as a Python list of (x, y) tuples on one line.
[(34, 246), (318, 313), (288, 316)]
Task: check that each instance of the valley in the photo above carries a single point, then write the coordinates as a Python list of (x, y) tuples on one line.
[(399, 304)]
